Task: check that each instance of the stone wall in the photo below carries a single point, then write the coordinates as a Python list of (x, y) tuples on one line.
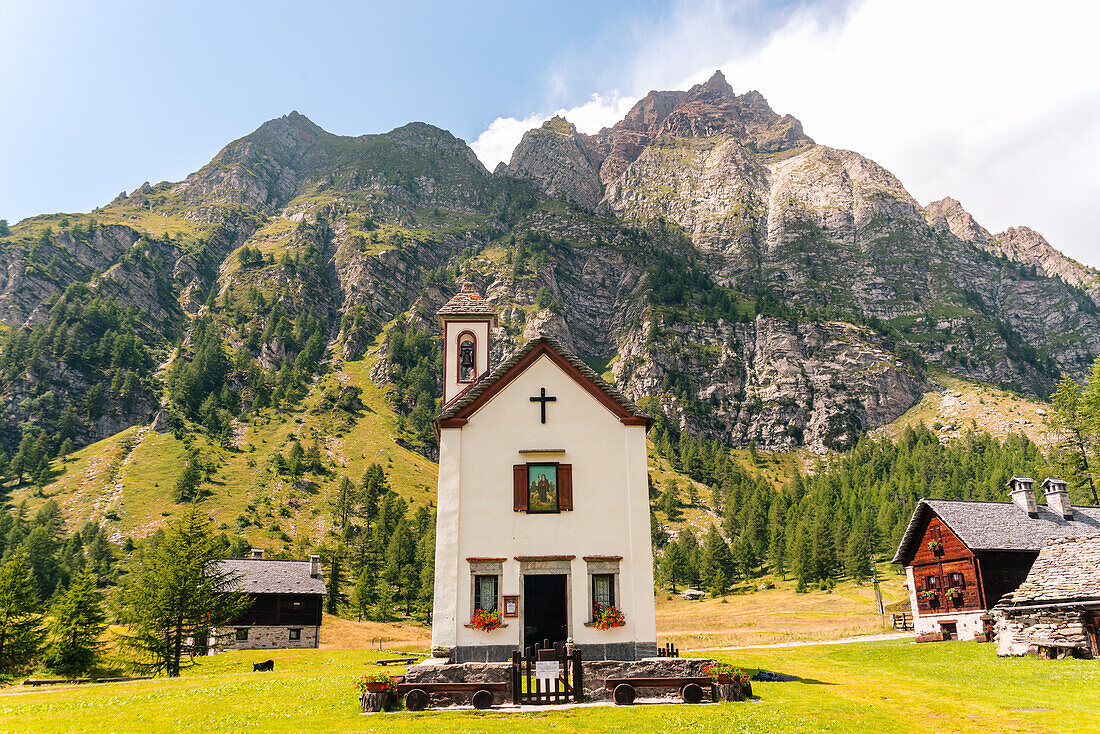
[(967, 624), (597, 672), (261, 637), (1031, 632)]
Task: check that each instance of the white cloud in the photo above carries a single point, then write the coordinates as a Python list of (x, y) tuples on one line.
[(994, 102), (503, 134)]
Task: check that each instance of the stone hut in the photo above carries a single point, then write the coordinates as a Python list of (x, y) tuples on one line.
[(1055, 612)]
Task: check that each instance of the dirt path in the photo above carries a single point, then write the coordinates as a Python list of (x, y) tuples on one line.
[(841, 641)]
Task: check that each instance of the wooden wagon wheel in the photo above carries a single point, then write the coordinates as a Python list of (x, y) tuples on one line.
[(417, 699), (624, 694), (483, 699), (692, 693)]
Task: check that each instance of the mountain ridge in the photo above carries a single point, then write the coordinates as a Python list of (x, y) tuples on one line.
[(755, 286)]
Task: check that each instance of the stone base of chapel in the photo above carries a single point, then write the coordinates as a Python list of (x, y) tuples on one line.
[(593, 651)]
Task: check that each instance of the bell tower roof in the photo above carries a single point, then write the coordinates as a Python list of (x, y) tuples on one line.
[(467, 304)]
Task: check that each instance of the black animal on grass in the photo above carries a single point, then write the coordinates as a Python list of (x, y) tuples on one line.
[(265, 665)]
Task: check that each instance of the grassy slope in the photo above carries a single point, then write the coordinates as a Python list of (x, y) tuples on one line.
[(870, 687), (132, 474), (958, 404)]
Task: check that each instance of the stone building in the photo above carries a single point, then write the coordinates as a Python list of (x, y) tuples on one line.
[(287, 599), (1056, 611), (961, 558), (543, 503)]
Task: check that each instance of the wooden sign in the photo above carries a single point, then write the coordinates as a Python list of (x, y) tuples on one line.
[(511, 606)]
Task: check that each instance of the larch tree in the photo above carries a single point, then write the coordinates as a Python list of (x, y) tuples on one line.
[(177, 596), (21, 630), (1070, 418), (77, 627)]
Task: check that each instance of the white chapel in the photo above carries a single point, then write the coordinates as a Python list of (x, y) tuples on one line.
[(543, 501)]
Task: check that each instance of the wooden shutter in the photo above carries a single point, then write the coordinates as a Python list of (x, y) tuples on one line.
[(565, 486), (519, 487)]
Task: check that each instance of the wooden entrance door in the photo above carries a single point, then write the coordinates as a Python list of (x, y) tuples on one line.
[(1092, 631), (544, 609)]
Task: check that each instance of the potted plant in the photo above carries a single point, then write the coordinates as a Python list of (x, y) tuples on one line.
[(737, 680), (930, 596), (375, 683), (486, 621), (954, 594), (604, 618), (377, 692), (935, 545)]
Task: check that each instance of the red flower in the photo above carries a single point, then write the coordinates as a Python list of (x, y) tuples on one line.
[(605, 618), (485, 621)]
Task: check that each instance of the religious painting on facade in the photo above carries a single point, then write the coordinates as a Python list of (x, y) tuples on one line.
[(542, 487)]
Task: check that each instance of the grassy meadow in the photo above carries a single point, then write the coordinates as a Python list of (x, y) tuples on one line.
[(894, 686)]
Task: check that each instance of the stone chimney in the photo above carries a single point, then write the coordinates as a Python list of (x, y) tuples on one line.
[(1057, 497), (1022, 491), (315, 566), (257, 554)]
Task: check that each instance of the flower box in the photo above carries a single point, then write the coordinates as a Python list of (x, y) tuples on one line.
[(485, 621), (930, 637), (605, 618)]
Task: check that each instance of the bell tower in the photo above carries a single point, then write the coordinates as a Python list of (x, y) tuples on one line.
[(467, 321)]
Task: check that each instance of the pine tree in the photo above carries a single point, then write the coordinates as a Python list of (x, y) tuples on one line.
[(362, 597), (717, 560), (857, 556), (335, 598), (20, 615), (673, 565), (77, 626), (689, 545), (383, 606), (670, 500), (186, 489), (176, 596)]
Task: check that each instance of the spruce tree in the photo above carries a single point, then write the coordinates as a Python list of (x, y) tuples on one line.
[(77, 627), (177, 595), (20, 615)]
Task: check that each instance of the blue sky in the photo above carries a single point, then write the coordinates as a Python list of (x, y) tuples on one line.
[(991, 101), (102, 96)]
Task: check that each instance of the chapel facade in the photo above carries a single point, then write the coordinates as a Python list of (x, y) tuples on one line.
[(543, 500)]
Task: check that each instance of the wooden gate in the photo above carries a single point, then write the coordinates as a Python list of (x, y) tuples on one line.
[(546, 675)]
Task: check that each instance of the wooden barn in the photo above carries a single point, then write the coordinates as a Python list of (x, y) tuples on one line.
[(287, 599), (963, 557), (1056, 611)]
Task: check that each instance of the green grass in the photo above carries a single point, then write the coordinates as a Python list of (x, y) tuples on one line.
[(871, 687)]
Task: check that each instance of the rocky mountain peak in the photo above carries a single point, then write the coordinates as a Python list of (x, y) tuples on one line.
[(560, 161), (948, 215)]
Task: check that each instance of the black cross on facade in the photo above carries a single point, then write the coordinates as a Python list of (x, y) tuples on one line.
[(543, 400)]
